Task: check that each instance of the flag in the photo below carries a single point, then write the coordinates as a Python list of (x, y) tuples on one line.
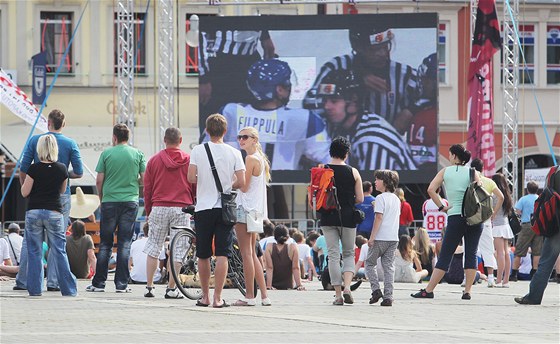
[(486, 42), (39, 77), (18, 103)]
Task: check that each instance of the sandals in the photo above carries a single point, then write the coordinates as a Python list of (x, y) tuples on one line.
[(223, 305), (245, 302), (348, 298), (338, 301)]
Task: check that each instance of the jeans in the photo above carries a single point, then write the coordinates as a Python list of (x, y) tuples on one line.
[(113, 215), (550, 252), (52, 281), (457, 229), (37, 222)]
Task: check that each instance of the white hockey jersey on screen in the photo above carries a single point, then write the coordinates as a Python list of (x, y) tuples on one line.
[(286, 135)]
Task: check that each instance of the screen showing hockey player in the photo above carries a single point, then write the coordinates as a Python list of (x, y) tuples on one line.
[(303, 80)]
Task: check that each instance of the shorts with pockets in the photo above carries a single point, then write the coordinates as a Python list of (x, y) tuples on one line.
[(527, 238), (210, 228)]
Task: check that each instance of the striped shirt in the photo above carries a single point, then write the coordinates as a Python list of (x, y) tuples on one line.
[(378, 145), (230, 42), (402, 79)]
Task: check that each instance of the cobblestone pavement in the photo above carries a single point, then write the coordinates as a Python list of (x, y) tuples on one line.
[(295, 317)]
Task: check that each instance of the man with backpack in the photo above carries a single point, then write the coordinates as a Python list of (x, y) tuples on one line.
[(526, 238), (550, 251)]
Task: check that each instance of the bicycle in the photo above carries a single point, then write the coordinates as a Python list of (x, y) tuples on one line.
[(184, 263)]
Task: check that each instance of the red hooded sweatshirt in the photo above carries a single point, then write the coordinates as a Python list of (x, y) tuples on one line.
[(165, 180)]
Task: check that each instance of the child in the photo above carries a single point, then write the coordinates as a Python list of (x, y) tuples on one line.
[(384, 236)]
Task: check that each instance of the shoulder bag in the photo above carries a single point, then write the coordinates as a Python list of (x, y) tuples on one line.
[(229, 216)]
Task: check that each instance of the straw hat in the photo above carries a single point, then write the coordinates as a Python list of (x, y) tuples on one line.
[(83, 205)]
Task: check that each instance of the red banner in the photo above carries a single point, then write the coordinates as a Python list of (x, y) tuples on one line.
[(486, 42)]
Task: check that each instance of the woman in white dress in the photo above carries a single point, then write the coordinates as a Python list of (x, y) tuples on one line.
[(502, 233)]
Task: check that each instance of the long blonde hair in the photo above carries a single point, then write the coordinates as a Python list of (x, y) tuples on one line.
[(422, 245), (47, 148), (400, 193), (255, 134)]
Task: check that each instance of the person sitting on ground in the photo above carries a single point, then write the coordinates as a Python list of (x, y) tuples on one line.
[(282, 262), (455, 274), (306, 261), (80, 251), (310, 241), (424, 249), (268, 234), (408, 268), (6, 268), (138, 260), (15, 242)]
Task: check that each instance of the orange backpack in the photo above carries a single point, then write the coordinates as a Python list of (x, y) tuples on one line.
[(321, 191)]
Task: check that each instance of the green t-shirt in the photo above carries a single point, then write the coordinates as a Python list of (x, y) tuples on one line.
[(456, 180), (121, 165)]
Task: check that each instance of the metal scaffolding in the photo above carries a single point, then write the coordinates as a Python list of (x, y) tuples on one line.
[(125, 64), (166, 65), (510, 84)]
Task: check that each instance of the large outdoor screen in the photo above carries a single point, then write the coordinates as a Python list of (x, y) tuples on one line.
[(301, 81)]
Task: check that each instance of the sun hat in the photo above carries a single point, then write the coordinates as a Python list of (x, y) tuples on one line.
[(83, 205)]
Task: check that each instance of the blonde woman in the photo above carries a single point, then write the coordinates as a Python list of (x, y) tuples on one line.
[(408, 268), (425, 249), (252, 198), (44, 183)]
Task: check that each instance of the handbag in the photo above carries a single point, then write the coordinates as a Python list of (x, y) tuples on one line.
[(255, 222), (514, 223), (229, 206)]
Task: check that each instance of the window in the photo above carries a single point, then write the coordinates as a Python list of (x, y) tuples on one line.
[(139, 43), (191, 67), (553, 54), (527, 41), (56, 31), (442, 52)]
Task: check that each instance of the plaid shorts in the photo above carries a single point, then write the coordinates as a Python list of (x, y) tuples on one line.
[(160, 221)]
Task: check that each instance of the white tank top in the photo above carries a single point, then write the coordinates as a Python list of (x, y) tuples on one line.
[(255, 197)]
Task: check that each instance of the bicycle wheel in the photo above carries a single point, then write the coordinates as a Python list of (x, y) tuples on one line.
[(183, 265), (235, 270)]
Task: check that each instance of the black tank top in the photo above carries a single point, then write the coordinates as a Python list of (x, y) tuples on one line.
[(345, 183)]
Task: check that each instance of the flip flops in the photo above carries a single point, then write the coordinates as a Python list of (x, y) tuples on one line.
[(223, 305), (201, 304)]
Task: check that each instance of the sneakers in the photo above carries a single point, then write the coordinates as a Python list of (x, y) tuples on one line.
[(91, 288), (423, 294), (525, 301), (18, 288), (173, 294), (338, 302), (387, 303), (149, 292), (125, 290), (491, 284), (466, 296), (375, 296), (266, 302), (53, 289)]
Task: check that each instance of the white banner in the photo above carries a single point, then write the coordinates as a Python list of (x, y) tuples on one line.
[(538, 175), (17, 102)]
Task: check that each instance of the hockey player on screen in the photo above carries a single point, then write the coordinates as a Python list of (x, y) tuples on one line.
[(376, 144), (288, 136), (390, 84), (422, 135)]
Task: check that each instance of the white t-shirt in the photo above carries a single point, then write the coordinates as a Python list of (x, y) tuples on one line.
[(17, 242), (304, 252), (388, 204), (227, 160), (433, 218), (363, 252), (138, 272), (4, 251)]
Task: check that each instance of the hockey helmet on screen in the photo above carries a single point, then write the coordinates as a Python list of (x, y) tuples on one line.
[(339, 83), (364, 35), (429, 67), (264, 75)]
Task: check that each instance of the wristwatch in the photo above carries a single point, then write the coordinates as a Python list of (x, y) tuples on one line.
[(441, 207)]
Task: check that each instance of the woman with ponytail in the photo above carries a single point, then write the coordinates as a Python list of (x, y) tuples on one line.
[(501, 231), (252, 198), (456, 179), (44, 183)]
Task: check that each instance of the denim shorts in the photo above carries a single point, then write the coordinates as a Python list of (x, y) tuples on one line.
[(241, 215)]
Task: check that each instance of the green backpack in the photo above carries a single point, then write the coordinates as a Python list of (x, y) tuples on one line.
[(477, 203)]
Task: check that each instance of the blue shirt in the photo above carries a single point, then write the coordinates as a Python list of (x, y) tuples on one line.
[(367, 207), (68, 153), (526, 204)]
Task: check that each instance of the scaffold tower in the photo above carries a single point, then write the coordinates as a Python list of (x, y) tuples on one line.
[(166, 65), (510, 84), (125, 64)]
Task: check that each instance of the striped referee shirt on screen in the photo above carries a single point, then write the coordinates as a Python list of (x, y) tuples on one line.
[(228, 42), (386, 104), (378, 145)]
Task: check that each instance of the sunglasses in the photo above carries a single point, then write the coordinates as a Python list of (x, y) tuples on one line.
[(243, 137)]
